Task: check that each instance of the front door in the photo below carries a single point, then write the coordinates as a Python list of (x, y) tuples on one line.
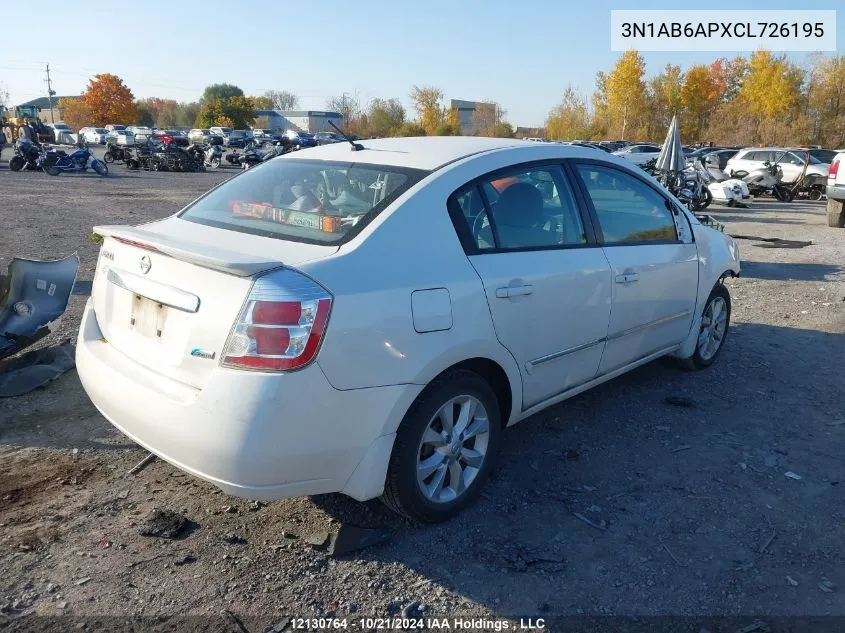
[(654, 264), (547, 284)]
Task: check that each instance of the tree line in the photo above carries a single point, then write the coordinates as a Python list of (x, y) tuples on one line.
[(107, 99), (760, 99)]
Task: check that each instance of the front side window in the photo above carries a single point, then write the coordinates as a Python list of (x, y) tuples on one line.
[(628, 210), (313, 201)]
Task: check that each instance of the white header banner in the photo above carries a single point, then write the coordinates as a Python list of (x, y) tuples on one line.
[(723, 30)]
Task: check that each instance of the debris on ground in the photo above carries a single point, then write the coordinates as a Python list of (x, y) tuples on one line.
[(680, 401), (600, 525), (35, 369), (792, 581), (827, 586), (149, 459), (105, 543), (348, 538), (519, 558), (185, 560), (755, 627), (234, 539), (164, 524), (792, 475)]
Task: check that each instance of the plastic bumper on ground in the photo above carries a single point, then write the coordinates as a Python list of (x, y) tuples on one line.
[(255, 435)]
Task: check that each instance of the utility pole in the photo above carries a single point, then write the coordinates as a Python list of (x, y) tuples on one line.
[(50, 93)]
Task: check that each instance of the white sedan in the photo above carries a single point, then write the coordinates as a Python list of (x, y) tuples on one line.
[(94, 135), (368, 321), (639, 154)]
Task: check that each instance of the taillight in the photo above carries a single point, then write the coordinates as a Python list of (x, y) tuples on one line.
[(135, 243), (834, 169), (281, 325)]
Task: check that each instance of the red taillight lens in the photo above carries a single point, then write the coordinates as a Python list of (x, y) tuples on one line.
[(834, 169), (274, 332), (277, 312), (145, 246)]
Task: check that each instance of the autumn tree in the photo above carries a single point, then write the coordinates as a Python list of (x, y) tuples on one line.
[(106, 100), (426, 101), (218, 92), (262, 103), (626, 92), (282, 99), (600, 122), (771, 91), (157, 111), (826, 101), (236, 112), (487, 119), (410, 128), (698, 98), (570, 119)]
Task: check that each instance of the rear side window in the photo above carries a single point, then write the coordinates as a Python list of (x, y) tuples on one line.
[(526, 208), (313, 201), (628, 210)]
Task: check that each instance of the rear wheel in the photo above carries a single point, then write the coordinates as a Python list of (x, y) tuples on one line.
[(707, 198), (215, 163), (108, 157), (715, 320), (815, 194), (52, 170), (835, 213), (444, 448), (100, 167), (16, 163)]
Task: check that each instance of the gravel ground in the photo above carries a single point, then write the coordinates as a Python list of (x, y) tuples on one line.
[(695, 514)]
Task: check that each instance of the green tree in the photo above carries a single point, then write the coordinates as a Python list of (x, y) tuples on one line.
[(218, 92), (384, 117), (410, 129), (235, 112)]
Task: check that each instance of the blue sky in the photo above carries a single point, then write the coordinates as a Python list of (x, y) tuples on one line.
[(521, 54)]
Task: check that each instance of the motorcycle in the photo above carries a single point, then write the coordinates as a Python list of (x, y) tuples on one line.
[(27, 155), (116, 153), (722, 188), (768, 179), (207, 155), (80, 160)]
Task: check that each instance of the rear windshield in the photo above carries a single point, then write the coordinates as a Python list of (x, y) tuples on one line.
[(313, 201)]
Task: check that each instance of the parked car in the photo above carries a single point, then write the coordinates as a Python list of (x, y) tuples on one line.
[(722, 154), (324, 138), (94, 135), (142, 133), (638, 154), (122, 137), (221, 131), (238, 138), (303, 139), (113, 127), (836, 191), (171, 137), (822, 155), (60, 133), (262, 316), (199, 135), (790, 161)]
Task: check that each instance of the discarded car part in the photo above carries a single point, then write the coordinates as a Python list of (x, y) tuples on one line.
[(35, 369), (33, 295)]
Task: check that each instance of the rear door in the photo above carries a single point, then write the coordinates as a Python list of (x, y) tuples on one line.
[(653, 259), (546, 281)]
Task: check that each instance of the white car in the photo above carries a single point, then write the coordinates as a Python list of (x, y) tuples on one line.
[(836, 191), (639, 154), (220, 131), (94, 135), (199, 135), (369, 321), (122, 137), (62, 133), (141, 133), (790, 161)]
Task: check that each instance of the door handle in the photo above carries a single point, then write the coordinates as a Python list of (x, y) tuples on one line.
[(506, 292), (627, 278)]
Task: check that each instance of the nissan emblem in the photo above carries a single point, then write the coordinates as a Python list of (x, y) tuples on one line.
[(145, 264)]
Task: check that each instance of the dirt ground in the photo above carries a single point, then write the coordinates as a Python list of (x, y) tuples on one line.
[(696, 512)]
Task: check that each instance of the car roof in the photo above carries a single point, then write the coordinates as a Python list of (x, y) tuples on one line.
[(421, 152)]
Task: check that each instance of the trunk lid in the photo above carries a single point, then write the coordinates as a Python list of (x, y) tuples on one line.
[(167, 294)]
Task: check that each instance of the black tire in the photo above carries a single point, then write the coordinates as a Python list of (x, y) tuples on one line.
[(401, 490), (108, 157), (835, 213), (815, 194), (696, 362), (100, 167), (215, 163), (52, 170), (708, 199), (16, 163), (784, 193)]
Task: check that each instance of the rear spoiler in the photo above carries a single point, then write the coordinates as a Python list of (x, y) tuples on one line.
[(230, 262)]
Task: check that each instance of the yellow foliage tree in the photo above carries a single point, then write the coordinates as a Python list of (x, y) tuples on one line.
[(826, 101), (626, 92), (698, 98), (771, 90), (664, 96), (426, 100), (570, 119)]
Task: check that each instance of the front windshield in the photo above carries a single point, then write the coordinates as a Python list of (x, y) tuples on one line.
[(313, 201)]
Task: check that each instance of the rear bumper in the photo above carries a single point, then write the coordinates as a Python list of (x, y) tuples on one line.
[(251, 434), (837, 192)]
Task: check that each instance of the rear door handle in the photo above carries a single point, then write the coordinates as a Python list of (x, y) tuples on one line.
[(506, 292), (627, 277)]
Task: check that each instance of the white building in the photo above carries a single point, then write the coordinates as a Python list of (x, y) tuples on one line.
[(280, 121)]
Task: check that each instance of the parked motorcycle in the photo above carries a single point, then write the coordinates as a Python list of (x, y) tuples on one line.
[(207, 155), (80, 160), (116, 153), (766, 180), (723, 188), (27, 156)]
